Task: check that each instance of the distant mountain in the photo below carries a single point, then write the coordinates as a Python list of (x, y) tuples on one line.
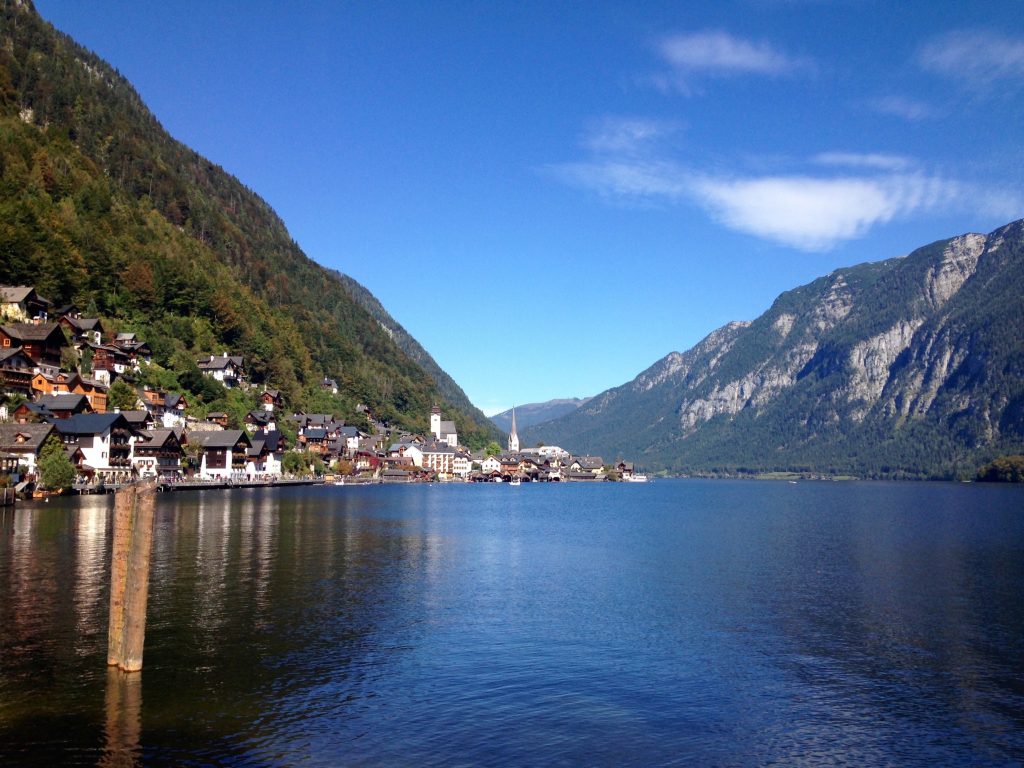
[(100, 206), (911, 367), (536, 413)]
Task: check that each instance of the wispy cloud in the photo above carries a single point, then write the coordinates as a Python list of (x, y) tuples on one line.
[(627, 135), (838, 196), (876, 160), (898, 106), (693, 55), (629, 179), (976, 58)]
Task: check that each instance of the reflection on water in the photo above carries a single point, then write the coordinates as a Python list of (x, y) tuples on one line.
[(123, 707), (694, 622)]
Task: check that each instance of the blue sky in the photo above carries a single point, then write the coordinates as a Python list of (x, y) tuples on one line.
[(552, 196)]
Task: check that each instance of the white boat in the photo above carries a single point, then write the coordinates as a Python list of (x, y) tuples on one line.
[(636, 479), (515, 481)]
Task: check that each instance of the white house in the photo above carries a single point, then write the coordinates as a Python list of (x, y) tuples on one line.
[(490, 464), (106, 441), (223, 453), (462, 464), (410, 451), (227, 369), (554, 453), (265, 456)]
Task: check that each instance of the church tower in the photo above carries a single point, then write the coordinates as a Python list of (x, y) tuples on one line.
[(513, 438), (435, 422)]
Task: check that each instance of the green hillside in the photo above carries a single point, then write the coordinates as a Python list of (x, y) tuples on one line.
[(101, 207)]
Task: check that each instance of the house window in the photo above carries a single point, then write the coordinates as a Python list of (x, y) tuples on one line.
[(7, 342)]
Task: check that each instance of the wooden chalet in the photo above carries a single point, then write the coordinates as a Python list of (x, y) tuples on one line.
[(16, 371), (25, 441), (219, 418), (42, 342), (82, 330), (158, 452), (271, 399), (64, 405)]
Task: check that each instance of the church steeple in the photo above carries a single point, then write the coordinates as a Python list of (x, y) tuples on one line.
[(513, 438)]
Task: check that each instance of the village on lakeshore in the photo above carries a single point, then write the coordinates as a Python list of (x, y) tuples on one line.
[(49, 408)]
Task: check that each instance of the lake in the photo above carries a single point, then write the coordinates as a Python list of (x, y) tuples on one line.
[(674, 623)]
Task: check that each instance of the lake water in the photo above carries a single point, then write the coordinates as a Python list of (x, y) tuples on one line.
[(673, 623)]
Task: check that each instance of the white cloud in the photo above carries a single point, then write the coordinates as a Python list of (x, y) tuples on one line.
[(813, 205), (810, 212), (815, 214), (635, 179), (974, 57), (898, 106), (718, 53), (627, 135), (879, 161)]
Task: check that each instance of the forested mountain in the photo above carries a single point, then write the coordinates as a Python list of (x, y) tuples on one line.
[(101, 207), (530, 414), (911, 367)]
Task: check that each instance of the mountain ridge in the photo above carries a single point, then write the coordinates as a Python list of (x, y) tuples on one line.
[(531, 414), (908, 367)]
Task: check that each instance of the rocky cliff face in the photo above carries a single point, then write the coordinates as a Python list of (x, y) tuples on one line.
[(910, 366)]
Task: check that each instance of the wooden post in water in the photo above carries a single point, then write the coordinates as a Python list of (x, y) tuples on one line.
[(129, 574)]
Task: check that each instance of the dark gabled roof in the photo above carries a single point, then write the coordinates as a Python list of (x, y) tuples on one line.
[(349, 432), (171, 401), (134, 347), (85, 323), (315, 434), (35, 436), (588, 462), (223, 438), (159, 437), (273, 440), (32, 331), (40, 410), (13, 352), (137, 418), (90, 423), (63, 401), (15, 294), (217, 362), (216, 415)]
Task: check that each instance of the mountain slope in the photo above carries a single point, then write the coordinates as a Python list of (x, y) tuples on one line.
[(446, 386), (531, 414), (100, 206), (907, 367)]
